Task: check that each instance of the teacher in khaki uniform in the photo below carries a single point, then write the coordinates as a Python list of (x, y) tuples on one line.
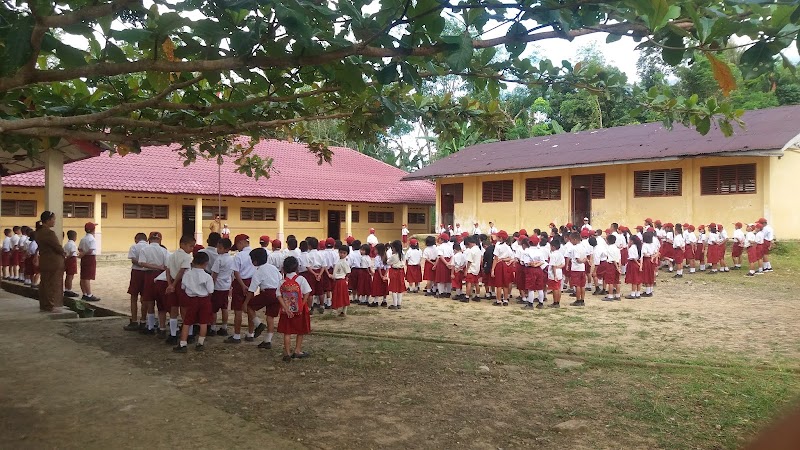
[(51, 265)]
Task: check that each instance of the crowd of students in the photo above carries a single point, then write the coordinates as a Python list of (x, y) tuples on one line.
[(292, 282), (20, 259)]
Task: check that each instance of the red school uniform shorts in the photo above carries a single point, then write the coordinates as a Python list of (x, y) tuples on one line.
[(577, 278), (198, 311), (158, 293), (71, 265), (88, 267), (238, 295), (136, 285), (268, 299), (220, 300), (6, 260)]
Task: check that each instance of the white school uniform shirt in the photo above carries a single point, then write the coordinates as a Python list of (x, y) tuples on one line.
[(613, 254), (722, 237), (7, 244), (88, 245), (366, 262), (633, 253), (702, 238), (177, 261), (377, 263), (690, 238), (760, 237), (556, 259), (539, 255), (23, 242), (413, 257), (473, 257), (431, 253), (315, 260), (223, 267), (649, 250), (476, 230), (525, 256), (265, 277), (711, 238), (15, 241), (395, 262), (404, 231), (133, 254), (620, 242), (678, 242), (156, 255), (389, 252), (197, 283), (459, 261), (493, 230), (305, 288), (669, 236), (341, 269), (503, 251), (457, 230), (575, 253), (769, 233), (70, 249), (243, 264), (586, 226), (372, 239), (738, 236), (749, 239), (354, 258), (599, 253), (301, 265), (276, 259), (446, 249), (33, 247), (212, 257), (302, 261)]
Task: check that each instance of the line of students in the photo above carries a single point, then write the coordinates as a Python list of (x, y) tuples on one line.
[(20, 259)]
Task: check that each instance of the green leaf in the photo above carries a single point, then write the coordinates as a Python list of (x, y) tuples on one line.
[(388, 74), (115, 53), (613, 38), (674, 50), (460, 57), (703, 125), (132, 36), (756, 60), (725, 127), (662, 13), (516, 48), (17, 48), (795, 17)]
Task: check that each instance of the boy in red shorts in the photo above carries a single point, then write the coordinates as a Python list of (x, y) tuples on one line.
[(153, 258), (577, 256), (136, 285), (197, 286), (555, 273), (71, 264), (222, 273), (266, 279), (243, 270), (473, 256), (87, 252)]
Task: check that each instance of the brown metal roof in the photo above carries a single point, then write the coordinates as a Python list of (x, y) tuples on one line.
[(766, 130)]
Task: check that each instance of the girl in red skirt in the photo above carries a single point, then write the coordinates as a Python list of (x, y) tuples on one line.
[(443, 273), (430, 255), (293, 295), (413, 267), (649, 263), (633, 270), (501, 269), (365, 277), (380, 275), (690, 250), (397, 282), (341, 298), (700, 249)]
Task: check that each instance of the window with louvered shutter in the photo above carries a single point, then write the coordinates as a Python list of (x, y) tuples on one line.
[(416, 218), (454, 189), (210, 212), (657, 183), (84, 210), (354, 217), (498, 191), (548, 188), (133, 211), (595, 183), (18, 208), (303, 215), (724, 180), (259, 214), (380, 217)]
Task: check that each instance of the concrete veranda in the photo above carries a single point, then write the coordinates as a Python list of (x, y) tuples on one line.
[(58, 393)]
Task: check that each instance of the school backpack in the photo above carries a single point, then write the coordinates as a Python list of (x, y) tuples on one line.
[(290, 291)]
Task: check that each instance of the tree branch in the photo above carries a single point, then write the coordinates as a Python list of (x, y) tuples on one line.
[(88, 13)]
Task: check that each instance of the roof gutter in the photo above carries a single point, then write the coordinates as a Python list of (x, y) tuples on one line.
[(760, 153)]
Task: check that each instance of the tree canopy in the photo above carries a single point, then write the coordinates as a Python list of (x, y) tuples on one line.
[(197, 72)]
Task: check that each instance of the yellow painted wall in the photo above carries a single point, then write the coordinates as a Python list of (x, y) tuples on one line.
[(774, 182), (117, 233)]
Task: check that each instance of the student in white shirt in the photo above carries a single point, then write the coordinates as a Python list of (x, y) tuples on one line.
[(678, 250), (431, 256), (458, 263), (198, 286), (222, 273), (340, 298), (690, 251), (211, 251), (6, 259), (243, 271), (442, 272), (760, 247), (722, 240), (397, 279), (769, 239), (749, 245), (136, 285), (501, 268), (613, 268), (15, 253), (71, 264), (87, 251), (457, 229), (555, 273), (153, 258), (577, 258), (586, 225), (404, 233), (413, 266), (476, 229), (492, 229), (276, 257), (178, 263), (599, 257), (473, 257), (266, 279)]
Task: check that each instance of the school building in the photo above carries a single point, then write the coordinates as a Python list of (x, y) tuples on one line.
[(154, 191), (627, 174)]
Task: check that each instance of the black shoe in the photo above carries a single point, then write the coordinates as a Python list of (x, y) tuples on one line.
[(222, 332), (300, 355), (373, 305), (287, 358), (554, 305), (497, 304), (149, 332), (540, 306), (527, 306), (232, 340), (677, 276), (573, 295), (133, 326), (199, 347), (90, 299), (577, 303), (645, 294), (464, 300), (597, 292), (162, 334), (259, 329), (750, 274), (631, 297), (190, 339), (384, 304), (606, 299), (522, 302), (171, 340), (392, 307), (70, 294), (266, 345), (180, 349), (211, 332), (327, 306), (505, 303), (476, 299), (321, 309), (249, 339)]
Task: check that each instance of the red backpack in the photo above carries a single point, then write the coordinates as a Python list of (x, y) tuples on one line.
[(290, 291)]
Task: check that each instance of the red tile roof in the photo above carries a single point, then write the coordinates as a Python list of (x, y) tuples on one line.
[(351, 176), (766, 129)]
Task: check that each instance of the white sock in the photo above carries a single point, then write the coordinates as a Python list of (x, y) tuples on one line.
[(151, 321), (191, 330), (173, 327), (250, 335), (184, 343), (399, 299), (530, 298), (224, 326), (394, 298), (680, 272), (752, 272), (201, 340), (213, 328), (237, 336), (269, 337), (691, 270), (256, 321), (541, 295)]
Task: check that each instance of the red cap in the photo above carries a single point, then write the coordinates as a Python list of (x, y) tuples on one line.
[(701, 227), (534, 240), (523, 231), (444, 237), (569, 224), (371, 230), (639, 227), (350, 240), (609, 231), (264, 239), (89, 226), (712, 224), (690, 227), (584, 233), (669, 225), (648, 220), (276, 243), (651, 230), (502, 234), (552, 225), (155, 235), (241, 237), (330, 241), (321, 245), (464, 234), (759, 225), (738, 224), (404, 224), (413, 241), (762, 220), (657, 222), (719, 227), (686, 225), (197, 248), (623, 228)]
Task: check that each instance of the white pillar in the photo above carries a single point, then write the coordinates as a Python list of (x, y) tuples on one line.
[(98, 219), (404, 215), (281, 215), (348, 219), (198, 220), (54, 187)]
